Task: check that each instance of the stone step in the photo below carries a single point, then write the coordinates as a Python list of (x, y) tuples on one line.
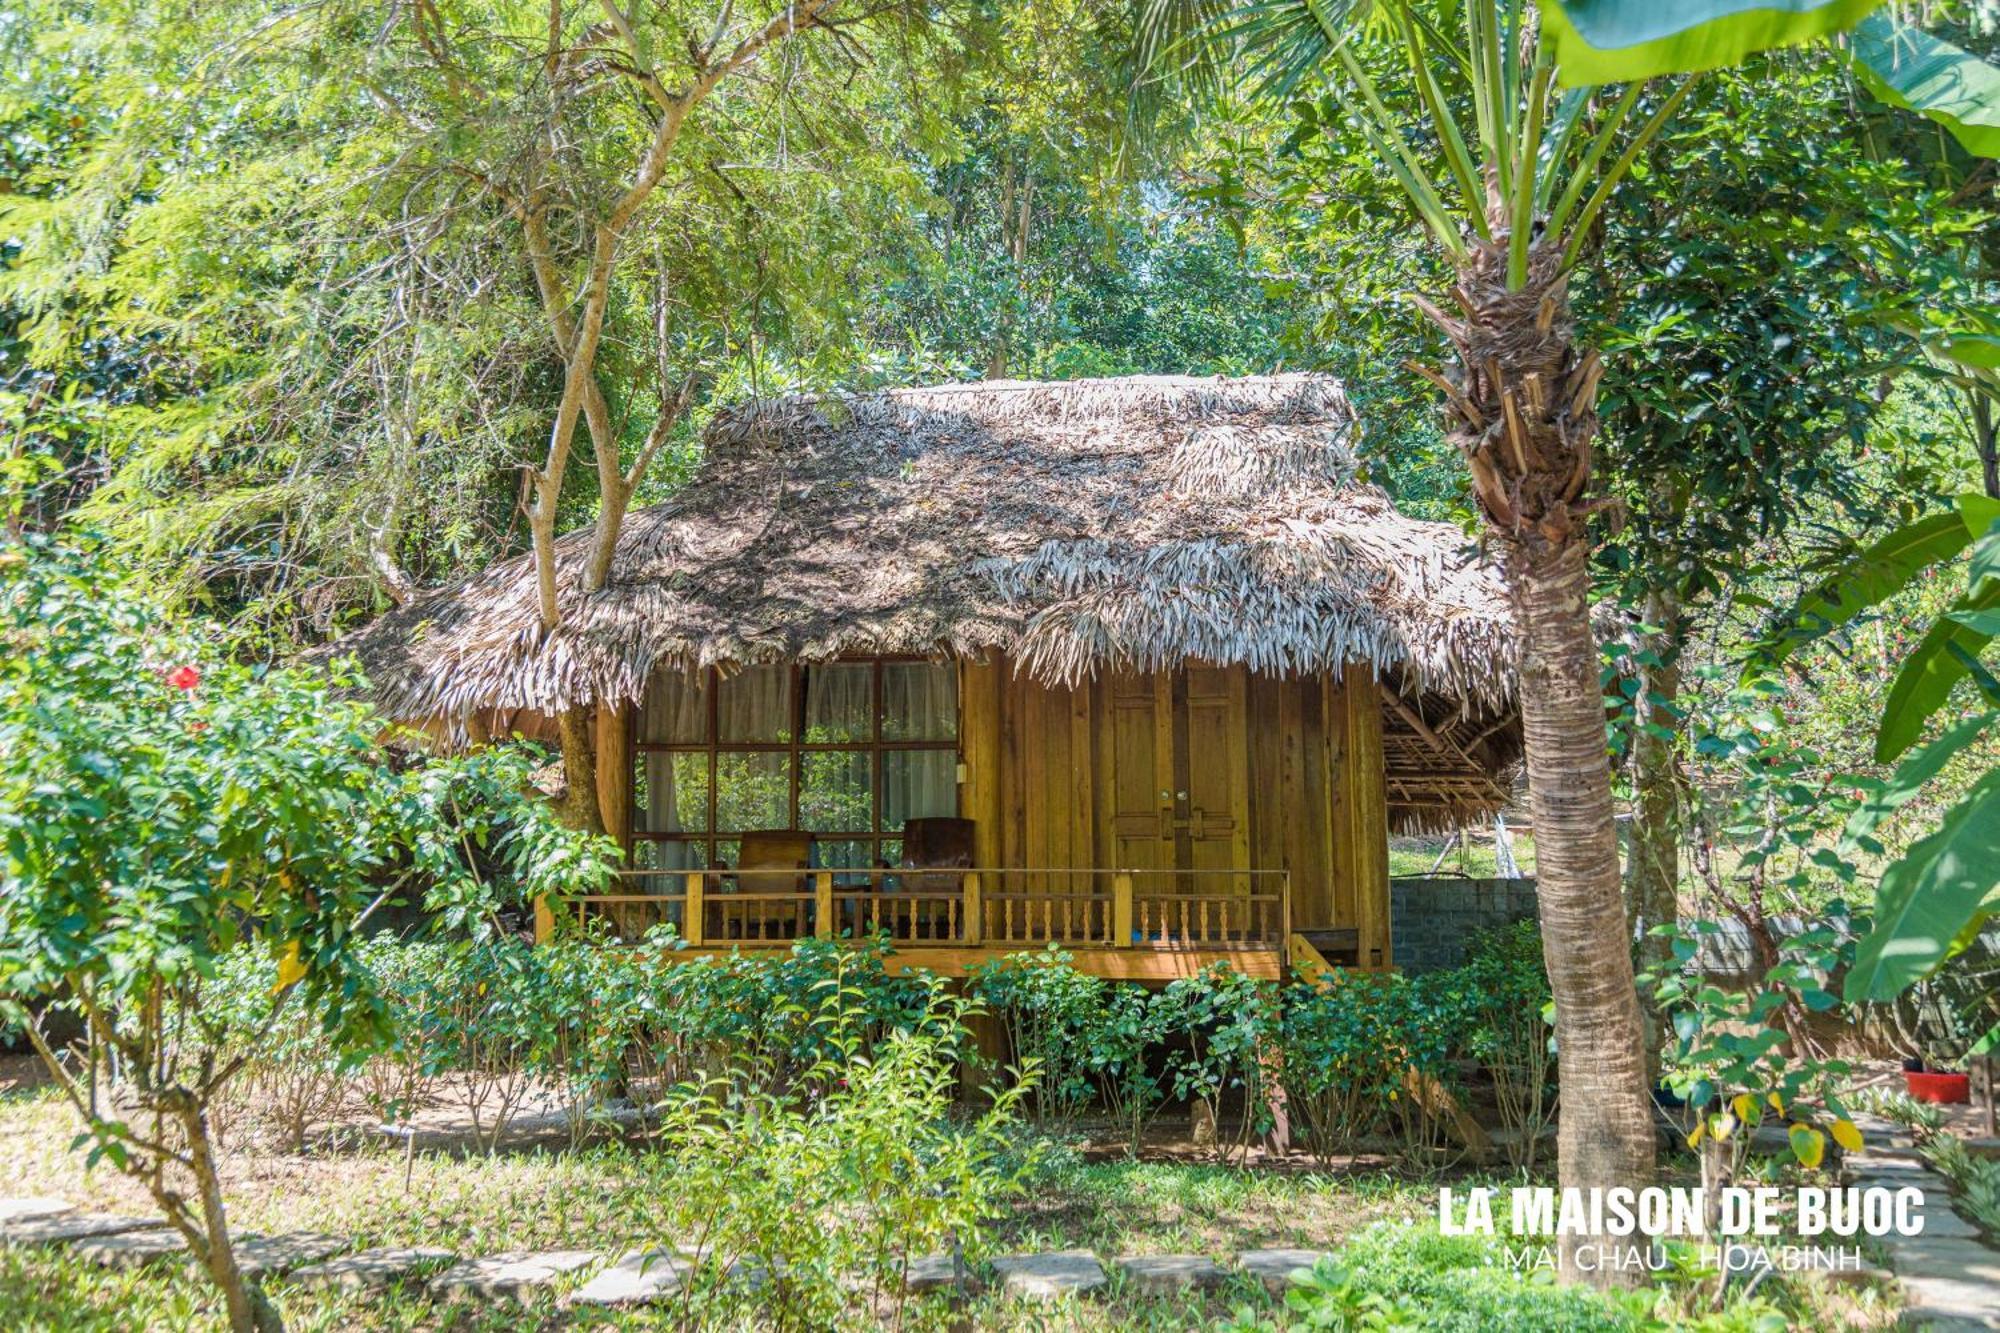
[(270, 1256), (1274, 1268), (67, 1228), (130, 1249), (32, 1207), (513, 1275), (938, 1272), (1166, 1274), (377, 1269), (1050, 1276), (638, 1278)]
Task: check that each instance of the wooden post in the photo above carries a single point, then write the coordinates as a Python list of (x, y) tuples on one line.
[(823, 904), (974, 919), (1121, 910), (693, 912), (545, 920), (614, 774)]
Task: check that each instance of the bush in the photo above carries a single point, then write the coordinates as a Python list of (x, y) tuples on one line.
[(853, 1170), (1343, 1057), (1050, 1011), (1503, 995), (1231, 1024)]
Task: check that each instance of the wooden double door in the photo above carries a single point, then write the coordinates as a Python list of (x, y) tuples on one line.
[(1180, 770)]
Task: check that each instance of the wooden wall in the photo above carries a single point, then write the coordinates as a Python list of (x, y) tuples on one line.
[(1287, 774)]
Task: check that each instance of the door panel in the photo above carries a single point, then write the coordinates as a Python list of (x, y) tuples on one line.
[(1180, 761)]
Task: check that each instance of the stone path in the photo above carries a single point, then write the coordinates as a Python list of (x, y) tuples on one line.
[(377, 1270), (637, 1277), (1950, 1279)]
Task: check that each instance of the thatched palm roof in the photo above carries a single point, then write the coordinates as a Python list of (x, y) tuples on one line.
[(1078, 526)]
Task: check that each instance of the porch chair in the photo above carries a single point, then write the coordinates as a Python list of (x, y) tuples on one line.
[(934, 843), (768, 862)]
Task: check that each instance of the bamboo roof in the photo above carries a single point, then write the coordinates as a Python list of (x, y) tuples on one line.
[(1075, 527)]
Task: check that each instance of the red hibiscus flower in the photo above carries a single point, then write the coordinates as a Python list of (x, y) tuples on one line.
[(184, 677)]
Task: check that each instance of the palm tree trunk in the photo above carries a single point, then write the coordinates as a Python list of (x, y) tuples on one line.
[(1523, 412)]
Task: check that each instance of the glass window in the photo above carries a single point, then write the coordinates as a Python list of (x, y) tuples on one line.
[(675, 710), (919, 701), (849, 753), (676, 855), (753, 790), (917, 784), (835, 794), (755, 706), (672, 795), (840, 703)]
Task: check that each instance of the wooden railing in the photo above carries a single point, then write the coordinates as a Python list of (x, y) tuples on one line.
[(998, 909)]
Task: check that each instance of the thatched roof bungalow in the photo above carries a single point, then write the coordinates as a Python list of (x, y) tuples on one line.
[(1153, 625)]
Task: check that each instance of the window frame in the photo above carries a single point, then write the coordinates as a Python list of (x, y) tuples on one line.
[(875, 747)]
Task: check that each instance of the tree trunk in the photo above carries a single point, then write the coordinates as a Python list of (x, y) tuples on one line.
[(1987, 440), (1523, 413), (250, 1311), (577, 728), (1653, 879)]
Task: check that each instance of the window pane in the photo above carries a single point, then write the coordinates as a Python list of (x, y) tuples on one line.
[(919, 701), (753, 791), (840, 701), (754, 705), (918, 784), (675, 709), (834, 792), (845, 853), (671, 792), (666, 856)]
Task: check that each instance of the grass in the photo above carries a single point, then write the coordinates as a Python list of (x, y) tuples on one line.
[(1377, 1221), (1474, 859)]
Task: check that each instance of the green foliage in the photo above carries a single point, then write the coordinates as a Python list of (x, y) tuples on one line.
[(1504, 1006), (1909, 68), (1737, 1055), (1049, 1009), (1122, 1042), (798, 1193), (1228, 1021), (1617, 41)]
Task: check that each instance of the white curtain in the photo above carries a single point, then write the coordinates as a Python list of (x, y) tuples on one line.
[(755, 704), (840, 703), (919, 701), (675, 709), (918, 784)]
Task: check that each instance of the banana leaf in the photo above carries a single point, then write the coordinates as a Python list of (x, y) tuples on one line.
[(1879, 572), (1616, 41), (1928, 898), (1943, 656), (1906, 67)]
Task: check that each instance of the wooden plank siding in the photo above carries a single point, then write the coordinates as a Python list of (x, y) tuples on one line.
[(1074, 776)]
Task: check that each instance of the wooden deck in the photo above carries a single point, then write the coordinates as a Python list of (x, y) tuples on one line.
[(1130, 925)]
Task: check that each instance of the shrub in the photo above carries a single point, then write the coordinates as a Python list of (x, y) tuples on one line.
[(1503, 994), (853, 1170), (1049, 1010), (1343, 1060), (1119, 1042), (1230, 1023)]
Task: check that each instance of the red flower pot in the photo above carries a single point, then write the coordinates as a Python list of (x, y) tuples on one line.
[(1944, 1089)]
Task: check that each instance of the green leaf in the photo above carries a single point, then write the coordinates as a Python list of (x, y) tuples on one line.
[(1979, 622), (1875, 575), (1908, 779), (1939, 661), (1907, 67), (1927, 897), (1615, 41)]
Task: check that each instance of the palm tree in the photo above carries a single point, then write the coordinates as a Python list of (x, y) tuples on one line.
[(1508, 170)]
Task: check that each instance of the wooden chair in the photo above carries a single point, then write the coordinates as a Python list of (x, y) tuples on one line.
[(936, 843), (769, 861)]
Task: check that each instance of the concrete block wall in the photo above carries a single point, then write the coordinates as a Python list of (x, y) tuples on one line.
[(1432, 919)]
